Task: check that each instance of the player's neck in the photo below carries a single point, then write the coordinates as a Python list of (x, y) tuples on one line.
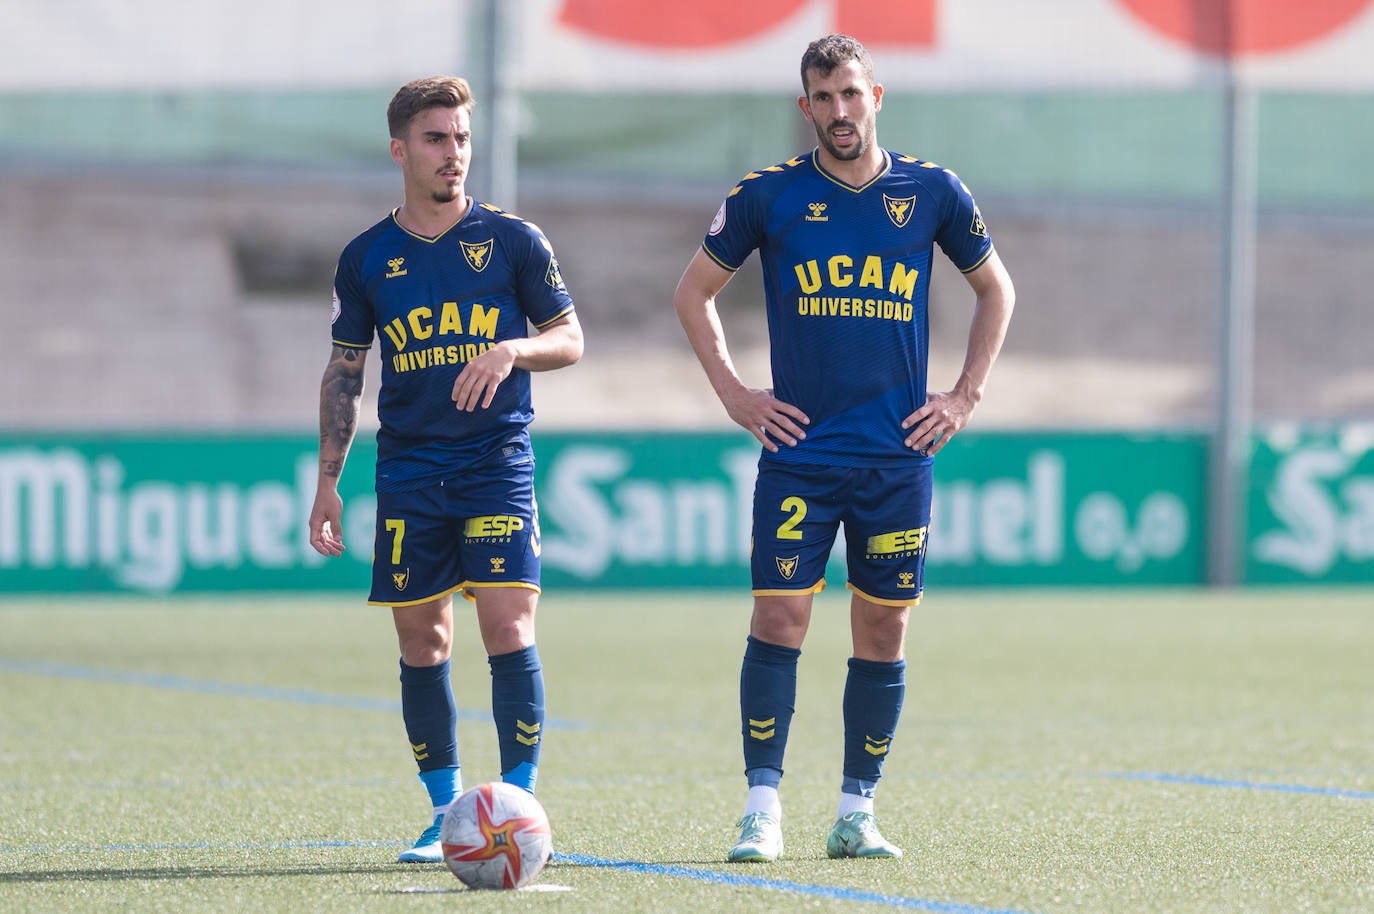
[(430, 218), (854, 172)]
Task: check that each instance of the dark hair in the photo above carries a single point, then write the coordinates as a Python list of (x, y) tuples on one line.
[(421, 94), (825, 54)]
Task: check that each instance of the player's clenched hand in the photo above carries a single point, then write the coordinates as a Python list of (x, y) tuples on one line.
[(477, 382), (326, 528), (943, 414), (766, 417)]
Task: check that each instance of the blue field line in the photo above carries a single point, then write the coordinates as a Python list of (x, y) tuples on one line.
[(230, 689), (837, 893), (1195, 780), (714, 877)]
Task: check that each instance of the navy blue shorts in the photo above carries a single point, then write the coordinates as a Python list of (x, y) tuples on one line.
[(478, 530), (799, 509)]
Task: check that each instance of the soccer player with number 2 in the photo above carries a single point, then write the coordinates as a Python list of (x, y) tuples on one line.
[(845, 236)]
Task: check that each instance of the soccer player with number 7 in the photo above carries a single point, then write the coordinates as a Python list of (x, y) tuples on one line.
[(449, 288)]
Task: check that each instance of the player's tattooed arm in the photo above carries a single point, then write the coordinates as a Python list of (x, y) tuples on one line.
[(341, 392)]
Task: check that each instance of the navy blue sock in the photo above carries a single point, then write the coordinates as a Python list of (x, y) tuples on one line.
[(767, 698), (430, 715), (517, 707), (873, 695)]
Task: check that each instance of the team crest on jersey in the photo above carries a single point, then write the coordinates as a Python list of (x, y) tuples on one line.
[(899, 209), (718, 222), (397, 267), (477, 255), (977, 227), (399, 579), (336, 308), (817, 212), (787, 567)]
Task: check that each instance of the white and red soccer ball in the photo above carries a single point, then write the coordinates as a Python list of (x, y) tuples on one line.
[(496, 836)]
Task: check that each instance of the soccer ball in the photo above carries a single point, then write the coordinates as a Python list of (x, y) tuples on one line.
[(496, 836)]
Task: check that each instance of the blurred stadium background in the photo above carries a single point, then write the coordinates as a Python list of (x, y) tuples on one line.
[(1180, 189)]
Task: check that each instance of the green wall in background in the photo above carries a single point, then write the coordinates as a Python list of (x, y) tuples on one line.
[(1153, 147)]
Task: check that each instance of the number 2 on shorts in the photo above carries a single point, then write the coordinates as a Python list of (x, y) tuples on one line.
[(797, 509)]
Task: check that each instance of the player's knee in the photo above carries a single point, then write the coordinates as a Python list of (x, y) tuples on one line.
[(779, 624), (425, 653), (882, 642)]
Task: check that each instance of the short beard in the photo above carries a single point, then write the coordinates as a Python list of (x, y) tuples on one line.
[(845, 155), (448, 195)]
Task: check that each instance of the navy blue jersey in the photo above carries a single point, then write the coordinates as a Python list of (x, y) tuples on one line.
[(846, 275), (435, 304)]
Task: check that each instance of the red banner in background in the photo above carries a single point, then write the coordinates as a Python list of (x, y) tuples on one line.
[(754, 45), (1233, 27), (1219, 27), (713, 23)]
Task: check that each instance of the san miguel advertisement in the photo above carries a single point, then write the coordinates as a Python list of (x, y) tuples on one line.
[(161, 514), (1312, 511)]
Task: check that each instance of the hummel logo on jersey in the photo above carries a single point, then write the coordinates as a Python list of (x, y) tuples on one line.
[(477, 255), (817, 212), (396, 264), (399, 579), (787, 567), (899, 210), (498, 565), (906, 580)]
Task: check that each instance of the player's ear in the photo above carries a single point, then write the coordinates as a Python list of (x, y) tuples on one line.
[(804, 104), (398, 151), (878, 97)]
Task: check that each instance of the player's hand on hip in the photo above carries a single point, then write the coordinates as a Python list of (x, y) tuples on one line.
[(767, 418), (477, 382), (943, 415)]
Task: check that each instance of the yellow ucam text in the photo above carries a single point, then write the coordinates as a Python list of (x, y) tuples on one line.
[(841, 272), (419, 324), (414, 335)]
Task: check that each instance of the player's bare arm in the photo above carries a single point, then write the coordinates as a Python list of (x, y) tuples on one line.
[(557, 345), (767, 418), (945, 413), (341, 392)]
